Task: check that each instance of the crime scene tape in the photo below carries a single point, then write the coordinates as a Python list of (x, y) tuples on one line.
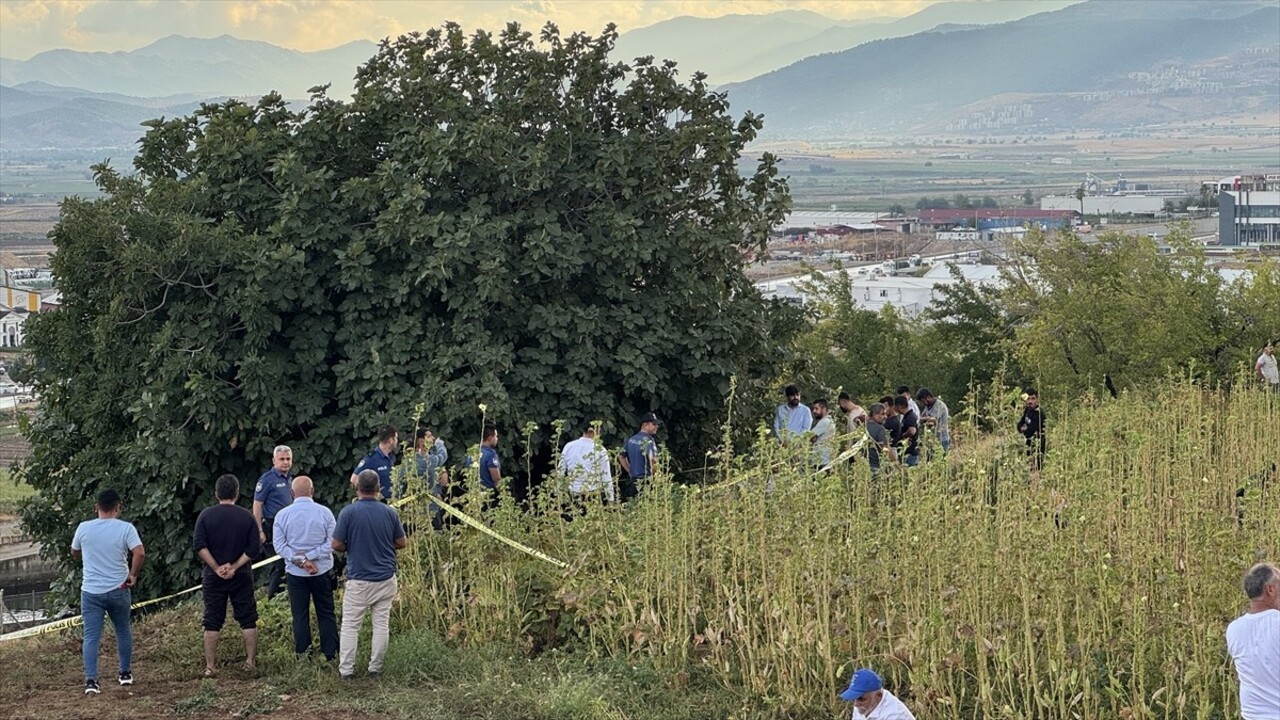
[(76, 620), (477, 525), (841, 458)]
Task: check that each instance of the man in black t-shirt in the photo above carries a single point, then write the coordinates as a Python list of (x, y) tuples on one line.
[(1031, 425), (226, 539), (908, 431)]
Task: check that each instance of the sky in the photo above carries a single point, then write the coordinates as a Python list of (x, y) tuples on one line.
[(28, 27)]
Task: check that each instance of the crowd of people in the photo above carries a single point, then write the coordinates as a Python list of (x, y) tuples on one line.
[(306, 535), (895, 426)]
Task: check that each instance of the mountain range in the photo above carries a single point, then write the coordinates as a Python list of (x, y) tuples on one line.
[(967, 66), (1097, 64), (732, 48)]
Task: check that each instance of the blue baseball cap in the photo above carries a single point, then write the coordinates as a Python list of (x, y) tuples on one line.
[(863, 681)]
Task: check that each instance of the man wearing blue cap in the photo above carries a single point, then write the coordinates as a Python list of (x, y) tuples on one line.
[(871, 701)]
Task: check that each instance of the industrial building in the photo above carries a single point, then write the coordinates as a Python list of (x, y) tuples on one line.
[(1249, 218), (1109, 204)]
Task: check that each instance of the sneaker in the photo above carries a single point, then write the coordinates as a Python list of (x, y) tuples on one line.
[(126, 678), (346, 677), (374, 674), (91, 687)]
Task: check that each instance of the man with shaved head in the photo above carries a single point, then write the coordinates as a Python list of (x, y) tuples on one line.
[(303, 539)]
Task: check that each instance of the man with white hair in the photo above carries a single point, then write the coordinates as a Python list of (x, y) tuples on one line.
[(1253, 640), (272, 494)]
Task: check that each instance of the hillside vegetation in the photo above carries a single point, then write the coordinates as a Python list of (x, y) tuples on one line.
[(1101, 591)]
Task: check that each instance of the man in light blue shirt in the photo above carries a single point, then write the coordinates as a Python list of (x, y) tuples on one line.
[(104, 544), (303, 537), (792, 419)]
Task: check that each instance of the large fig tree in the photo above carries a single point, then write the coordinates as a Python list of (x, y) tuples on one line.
[(490, 219)]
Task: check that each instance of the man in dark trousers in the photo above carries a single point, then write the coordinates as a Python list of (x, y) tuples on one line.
[(271, 495), (639, 456), (1031, 425), (303, 539), (227, 541)]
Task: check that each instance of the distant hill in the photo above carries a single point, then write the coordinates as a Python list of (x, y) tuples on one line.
[(181, 65), (732, 48), (39, 115), (1145, 62)]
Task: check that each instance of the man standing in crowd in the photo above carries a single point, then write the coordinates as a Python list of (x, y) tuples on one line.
[(639, 457), (1266, 367), (1253, 640), (936, 416), (1031, 425), (226, 539), (854, 415), (430, 456), (370, 533), (824, 433), (908, 432), (892, 420), (586, 465), (880, 442), (113, 557), (380, 459), (904, 391), (792, 419), (871, 701), (303, 540), (490, 467), (270, 496)]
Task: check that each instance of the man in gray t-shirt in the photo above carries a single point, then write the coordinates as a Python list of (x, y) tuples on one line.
[(113, 555), (880, 441)]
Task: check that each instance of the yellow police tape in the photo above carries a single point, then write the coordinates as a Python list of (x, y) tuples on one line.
[(73, 621)]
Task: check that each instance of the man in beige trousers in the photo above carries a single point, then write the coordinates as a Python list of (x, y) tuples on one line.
[(370, 533)]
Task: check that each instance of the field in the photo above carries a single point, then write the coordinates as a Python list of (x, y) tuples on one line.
[(875, 174), (1099, 591)]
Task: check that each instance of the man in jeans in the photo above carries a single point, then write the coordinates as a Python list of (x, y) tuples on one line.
[(370, 533), (104, 544), (303, 540)]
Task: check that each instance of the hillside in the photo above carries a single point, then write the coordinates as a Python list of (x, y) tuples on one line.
[(1044, 73), (733, 48), (177, 65)]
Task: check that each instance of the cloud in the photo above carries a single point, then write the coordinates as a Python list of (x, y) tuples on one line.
[(31, 26)]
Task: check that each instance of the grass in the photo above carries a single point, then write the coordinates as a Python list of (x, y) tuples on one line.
[(1100, 590), (12, 493)]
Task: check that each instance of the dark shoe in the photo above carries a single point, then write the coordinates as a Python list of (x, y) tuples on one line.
[(126, 678), (375, 674), (91, 687), (346, 677)]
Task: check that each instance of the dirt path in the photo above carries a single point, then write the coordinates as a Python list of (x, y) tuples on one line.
[(43, 680)]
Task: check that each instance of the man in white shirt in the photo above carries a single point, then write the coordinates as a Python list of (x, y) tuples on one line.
[(1267, 368), (586, 465), (1253, 639), (871, 701)]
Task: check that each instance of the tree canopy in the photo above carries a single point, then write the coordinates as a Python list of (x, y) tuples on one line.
[(490, 219)]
